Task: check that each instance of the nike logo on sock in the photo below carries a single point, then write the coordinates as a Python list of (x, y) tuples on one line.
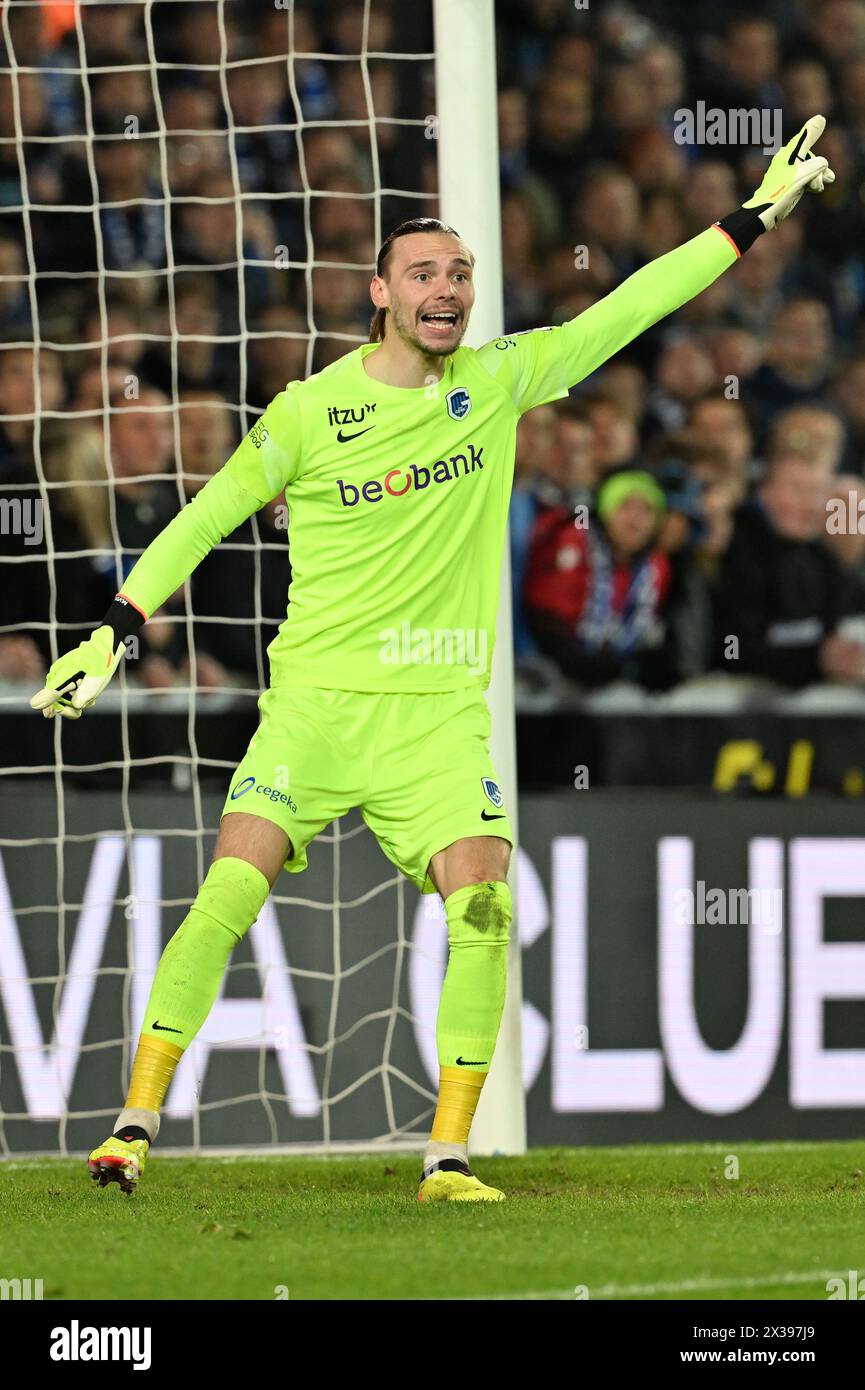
[(462, 1063), (158, 1028)]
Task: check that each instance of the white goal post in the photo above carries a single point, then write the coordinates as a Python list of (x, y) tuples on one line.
[(469, 199)]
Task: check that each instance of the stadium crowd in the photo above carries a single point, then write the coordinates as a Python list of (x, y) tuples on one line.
[(693, 506)]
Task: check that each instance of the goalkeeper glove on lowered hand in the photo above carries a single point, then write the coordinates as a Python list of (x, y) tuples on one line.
[(76, 679), (793, 170)]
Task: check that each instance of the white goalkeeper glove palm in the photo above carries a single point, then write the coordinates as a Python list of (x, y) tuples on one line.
[(78, 678), (793, 170)]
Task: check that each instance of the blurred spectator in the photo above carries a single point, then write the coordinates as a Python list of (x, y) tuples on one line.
[(31, 41), (341, 296), (207, 437), (199, 147), (797, 363), (111, 33), (131, 217), (724, 425), (141, 449), (757, 285), (276, 358), (32, 118), (258, 96), (845, 524), (745, 73), (625, 384), (49, 587), (347, 24), (187, 343), (838, 26), (216, 232), (811, 432), (18, 369), (679, 463), (848, 390), (807, 89), (513, 136), (536, 444), (615, 437), (767, 363), (560, 142), (311, 77), (93, 390), (124, 347), (736, 354), (662, 225), (781, 593), (191, 32), (520, 255), (662, 64), (607, 211), (683, 374), (14, 296), (238, 592), (353, 103), (595, 596), (710, 193), (122, 98)]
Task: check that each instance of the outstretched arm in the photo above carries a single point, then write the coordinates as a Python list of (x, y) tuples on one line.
[(542, 365), (257, 471)]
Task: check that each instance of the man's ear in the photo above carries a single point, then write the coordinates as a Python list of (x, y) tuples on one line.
[(378, 292)]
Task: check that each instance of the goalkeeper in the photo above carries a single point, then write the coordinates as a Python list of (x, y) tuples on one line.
[(398, 460)]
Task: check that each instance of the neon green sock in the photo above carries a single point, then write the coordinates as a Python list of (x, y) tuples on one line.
[(473, 993), (193, 963)]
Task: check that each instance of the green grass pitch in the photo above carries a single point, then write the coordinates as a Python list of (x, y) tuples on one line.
[(648, 1223)]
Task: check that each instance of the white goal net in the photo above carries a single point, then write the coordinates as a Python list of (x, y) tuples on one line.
[(191, 198)]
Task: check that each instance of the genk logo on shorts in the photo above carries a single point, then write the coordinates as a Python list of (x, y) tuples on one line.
[(243, 787), (459, 403), (492, 791)]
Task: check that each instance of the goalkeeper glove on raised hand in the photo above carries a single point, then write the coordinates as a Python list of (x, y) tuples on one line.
[(76, 679), (792, 170)]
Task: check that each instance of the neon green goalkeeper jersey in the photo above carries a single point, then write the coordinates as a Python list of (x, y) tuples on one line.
[(398, 498)]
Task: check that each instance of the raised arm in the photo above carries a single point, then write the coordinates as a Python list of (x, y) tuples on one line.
[(258, 470), (542, 365)]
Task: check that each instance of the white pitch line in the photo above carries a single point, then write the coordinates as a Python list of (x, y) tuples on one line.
[(607, 1291)]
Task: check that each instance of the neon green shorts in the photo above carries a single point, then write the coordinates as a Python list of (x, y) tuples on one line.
[(417, 765)]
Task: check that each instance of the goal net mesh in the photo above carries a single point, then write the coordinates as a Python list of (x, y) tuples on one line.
[(191, 197)]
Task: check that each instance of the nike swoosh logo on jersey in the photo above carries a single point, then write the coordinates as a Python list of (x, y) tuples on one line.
[(344, 438), (485, 816)]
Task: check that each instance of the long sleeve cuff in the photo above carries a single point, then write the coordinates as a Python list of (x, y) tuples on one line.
[(741, 228), (124, 618)]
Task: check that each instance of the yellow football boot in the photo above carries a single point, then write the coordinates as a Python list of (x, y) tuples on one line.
[(119, 1160), (452, 1181)]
